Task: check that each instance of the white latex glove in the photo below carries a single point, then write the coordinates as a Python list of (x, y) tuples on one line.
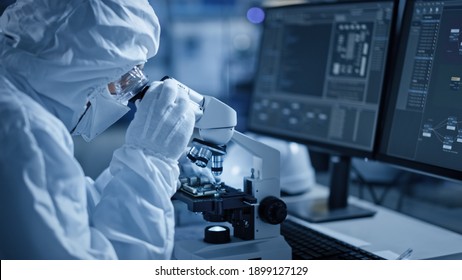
[(163, 123)]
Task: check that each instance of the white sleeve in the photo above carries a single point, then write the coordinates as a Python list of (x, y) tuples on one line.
[(135, 211), (46, 212), (42, 195)]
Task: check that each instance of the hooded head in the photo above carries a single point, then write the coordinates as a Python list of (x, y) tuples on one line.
[(69, 50)]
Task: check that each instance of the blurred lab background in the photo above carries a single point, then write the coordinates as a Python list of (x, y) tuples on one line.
[(212, 46)]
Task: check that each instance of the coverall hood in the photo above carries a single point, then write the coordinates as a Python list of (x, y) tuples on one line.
[(76, 46)]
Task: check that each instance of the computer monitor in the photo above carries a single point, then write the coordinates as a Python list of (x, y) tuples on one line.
[(319, 81), (422, 128)]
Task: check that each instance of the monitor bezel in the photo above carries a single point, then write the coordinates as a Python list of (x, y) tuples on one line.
[(388, 108), (316, 145)]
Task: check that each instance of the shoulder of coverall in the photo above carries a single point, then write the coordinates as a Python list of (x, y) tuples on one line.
[(19, 111)]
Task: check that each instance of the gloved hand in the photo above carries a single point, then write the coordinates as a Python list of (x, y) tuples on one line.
[(163, 122)]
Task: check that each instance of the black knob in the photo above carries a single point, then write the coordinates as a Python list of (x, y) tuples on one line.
[(272, 210)]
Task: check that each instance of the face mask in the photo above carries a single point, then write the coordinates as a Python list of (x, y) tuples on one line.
[(107, 107), (103, 111)]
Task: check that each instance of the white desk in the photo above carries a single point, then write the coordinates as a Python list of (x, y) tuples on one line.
[(388, 231)]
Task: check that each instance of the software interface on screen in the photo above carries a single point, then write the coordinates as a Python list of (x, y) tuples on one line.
[(321, 72), (427, 118)]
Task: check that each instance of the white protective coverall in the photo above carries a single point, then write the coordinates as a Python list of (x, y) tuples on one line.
[(54, 56)]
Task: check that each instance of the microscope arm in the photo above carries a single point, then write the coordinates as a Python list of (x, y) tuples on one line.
[(265, 159)]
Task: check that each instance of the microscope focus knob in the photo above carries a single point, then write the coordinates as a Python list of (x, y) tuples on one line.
[(272, 210)]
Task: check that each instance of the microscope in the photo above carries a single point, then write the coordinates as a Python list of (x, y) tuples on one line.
[(255, 211)]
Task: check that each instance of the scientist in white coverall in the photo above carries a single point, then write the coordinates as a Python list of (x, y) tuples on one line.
[(57, 58)]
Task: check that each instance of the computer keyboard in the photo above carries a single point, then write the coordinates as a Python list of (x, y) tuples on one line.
[(309, 244)]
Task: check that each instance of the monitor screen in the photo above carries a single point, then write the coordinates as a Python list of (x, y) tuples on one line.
[(319, 81), (321, 72), (423, 119)]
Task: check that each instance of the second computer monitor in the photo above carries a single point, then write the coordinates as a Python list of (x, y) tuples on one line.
[(423, 121)]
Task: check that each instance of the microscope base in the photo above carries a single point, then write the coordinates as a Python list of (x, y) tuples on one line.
[(275, 248)]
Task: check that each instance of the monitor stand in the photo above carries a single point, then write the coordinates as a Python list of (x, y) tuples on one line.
[(336, 207)]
